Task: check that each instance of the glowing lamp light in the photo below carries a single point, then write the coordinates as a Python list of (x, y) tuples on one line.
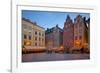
[(61, 47), (77, 42), (28, 43)]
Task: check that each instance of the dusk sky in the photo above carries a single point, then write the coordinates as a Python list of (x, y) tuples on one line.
[(50, 19)]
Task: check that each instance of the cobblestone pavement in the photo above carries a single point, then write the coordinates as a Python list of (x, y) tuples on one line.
[(36, 57)]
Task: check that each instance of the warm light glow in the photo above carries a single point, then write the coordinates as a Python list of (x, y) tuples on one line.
[(77, 42), (85, 45), (61, 47), (28, 43)]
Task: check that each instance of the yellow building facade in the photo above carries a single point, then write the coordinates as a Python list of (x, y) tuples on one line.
[(80, 33), (32, 34)]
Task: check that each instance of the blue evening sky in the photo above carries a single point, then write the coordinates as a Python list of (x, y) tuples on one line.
[(50, 19)]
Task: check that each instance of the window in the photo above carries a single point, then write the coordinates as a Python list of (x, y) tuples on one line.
[(76, 38), (35, 44), (29, 37), (35, 32), (35, 38), (24, 43), (25, 37), (42, 34), (80, 30), (42, 39), (80, 37)]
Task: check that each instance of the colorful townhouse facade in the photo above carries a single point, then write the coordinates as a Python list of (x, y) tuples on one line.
[(53, 37), (68, 34), (32, 34)]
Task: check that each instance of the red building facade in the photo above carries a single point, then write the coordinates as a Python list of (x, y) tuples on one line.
[(68, 33)]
